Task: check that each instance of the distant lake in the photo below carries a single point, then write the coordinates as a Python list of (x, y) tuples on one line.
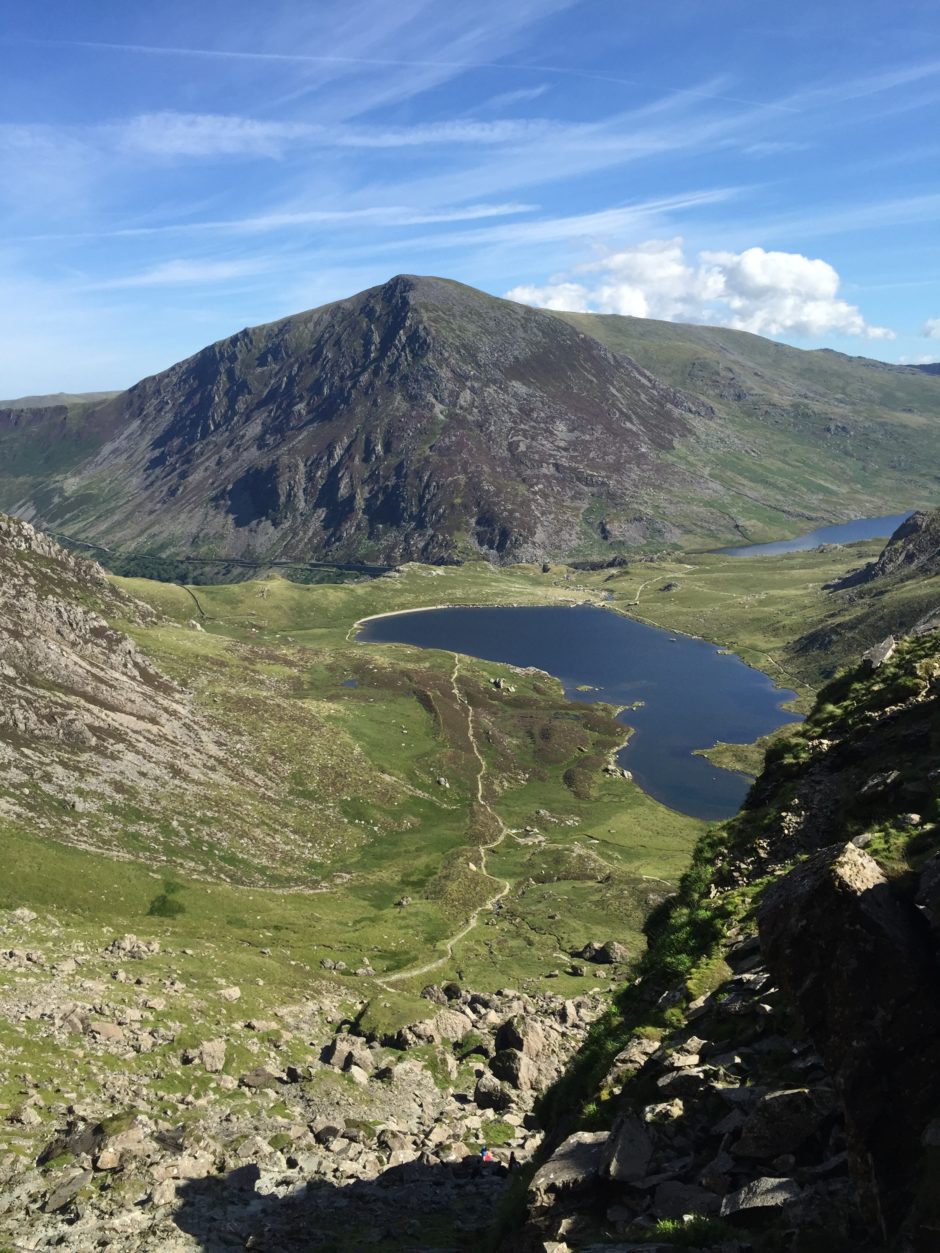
[(693, 695), (844, 533)]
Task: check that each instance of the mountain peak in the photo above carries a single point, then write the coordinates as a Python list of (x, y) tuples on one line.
[(422, 419)]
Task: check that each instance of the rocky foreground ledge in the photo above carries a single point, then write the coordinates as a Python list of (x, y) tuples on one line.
[(777, 1081), (305, 1121)]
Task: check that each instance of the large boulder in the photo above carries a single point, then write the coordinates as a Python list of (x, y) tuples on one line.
[(515, 1068), (628, 1151), (345, 1051), (523, 1034), (857, 962), (767, 1193), (573, 1168), (781, 1122), (489, 1093)]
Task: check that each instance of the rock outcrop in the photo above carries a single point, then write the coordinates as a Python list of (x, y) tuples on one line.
[(913, 551), (856, 961), (83, 714), (777, 1082)]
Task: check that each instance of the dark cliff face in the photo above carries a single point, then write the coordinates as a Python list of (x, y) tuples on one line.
[(912, 551), (418, 420), (775, 1070)]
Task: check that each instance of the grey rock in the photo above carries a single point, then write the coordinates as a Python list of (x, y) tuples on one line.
[(515, 1068), (860, 967), (674, 1200), (66, 1191), (489, 1093), (523, 1034), (574, 1164), (628, 1151), (782, 1121), (766, 1192)]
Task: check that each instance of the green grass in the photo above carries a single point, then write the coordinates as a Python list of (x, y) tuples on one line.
[(804, 435), (334, 815)]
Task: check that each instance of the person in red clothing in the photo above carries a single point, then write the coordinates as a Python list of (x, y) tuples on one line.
[(486, 1155)]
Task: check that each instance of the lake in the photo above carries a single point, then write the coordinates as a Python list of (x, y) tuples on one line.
[(843, 533), (692, 694)]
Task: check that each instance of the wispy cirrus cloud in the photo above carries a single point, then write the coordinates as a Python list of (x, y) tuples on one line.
[(508, 99), (389, 216), (448, 67), (169, 134), (182, 272)]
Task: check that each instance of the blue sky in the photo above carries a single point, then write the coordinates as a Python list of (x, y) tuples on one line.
[(171, 172)]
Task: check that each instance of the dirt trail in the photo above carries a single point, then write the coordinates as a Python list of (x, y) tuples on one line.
[(415, 971)]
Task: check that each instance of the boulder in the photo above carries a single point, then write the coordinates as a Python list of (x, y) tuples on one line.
[(259, 1078), (765, 1193), (515, 1068), (66, 1191), (860, 967), (521, 1033), (451, 1024), (212, 1055), (781, 1121), (489, 1093), (675, 1200), (573, 1167), (106, 1032), (606, 954), (628, 1151), (344, 1051)]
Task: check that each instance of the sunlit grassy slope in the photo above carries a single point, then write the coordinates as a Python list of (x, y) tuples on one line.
[(349, 740), (795, 435), (339, 816)]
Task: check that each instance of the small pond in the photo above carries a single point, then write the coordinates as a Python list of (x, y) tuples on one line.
[(843, 533), (692, 694)]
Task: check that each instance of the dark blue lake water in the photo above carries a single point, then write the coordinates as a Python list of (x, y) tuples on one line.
[(693, 695), (844, 533)]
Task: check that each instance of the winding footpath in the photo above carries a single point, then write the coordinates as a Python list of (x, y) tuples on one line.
[(414, 971)]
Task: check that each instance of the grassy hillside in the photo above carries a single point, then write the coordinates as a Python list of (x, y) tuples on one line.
[(56, 398), (798, 434)]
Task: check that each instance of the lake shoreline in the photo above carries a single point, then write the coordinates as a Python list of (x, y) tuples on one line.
[(692, 693)]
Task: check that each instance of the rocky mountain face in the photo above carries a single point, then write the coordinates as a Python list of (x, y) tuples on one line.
[(82, 713), (913, 551), (771, 1080), (419, 420), (425, 420), (884, 600)]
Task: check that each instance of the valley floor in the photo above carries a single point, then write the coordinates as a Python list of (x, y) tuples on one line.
[(387, 816)]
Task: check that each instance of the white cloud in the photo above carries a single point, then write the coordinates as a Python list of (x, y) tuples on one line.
[(568, 297), (505, 99), (932, 328), (207, 134), (498, 131), (181, 272), (769, 293), (170, 134)]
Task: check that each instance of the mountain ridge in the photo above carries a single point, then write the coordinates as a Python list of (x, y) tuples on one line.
[(424, 420)]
